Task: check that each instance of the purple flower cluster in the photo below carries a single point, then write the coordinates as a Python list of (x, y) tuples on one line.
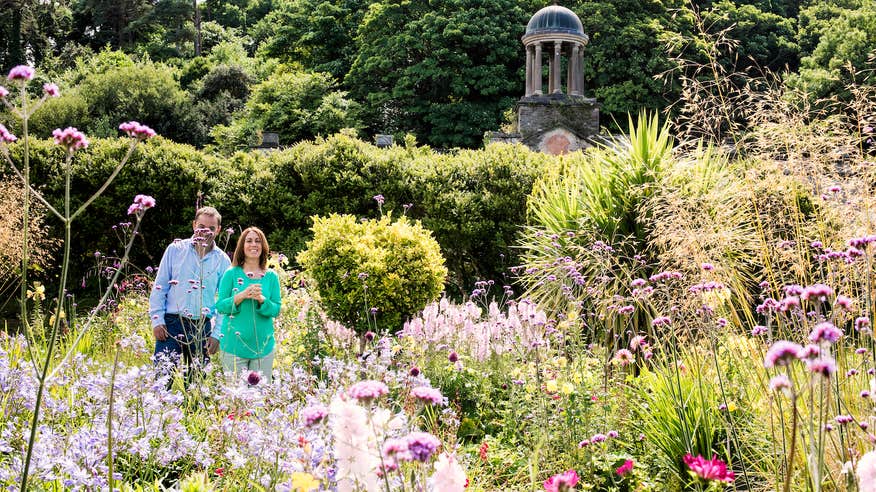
[(816, 292), (51, 90), (825, 332), (429, 395), (707, 287), (21, 73), (6, 136), (141, 203), (782, 353), (70, 138), (313, 415), (422, 445), (137, 130), (368, 390)]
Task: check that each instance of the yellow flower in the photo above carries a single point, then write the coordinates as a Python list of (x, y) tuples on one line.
[(304, 482), (568, 388), (38, 293), (551, 386)]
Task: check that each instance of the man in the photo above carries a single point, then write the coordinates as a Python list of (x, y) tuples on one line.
[(183, 296)]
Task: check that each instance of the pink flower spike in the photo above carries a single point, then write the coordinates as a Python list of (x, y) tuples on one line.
[(21, 72), (711, 470), (3, 92), (6, 136), (51, 90), (70, 138), (136, 130)]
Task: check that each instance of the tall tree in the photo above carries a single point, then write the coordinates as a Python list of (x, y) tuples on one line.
[(444, 70), (318, 34), (114, 22), (30, 31)]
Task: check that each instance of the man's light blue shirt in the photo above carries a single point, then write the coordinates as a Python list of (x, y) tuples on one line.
[(186, 284)]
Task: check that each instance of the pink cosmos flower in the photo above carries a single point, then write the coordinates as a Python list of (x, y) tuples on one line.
[(561, 481), (21, 72), (625, 468), (711, 470), (51, 90), (623, 357), (70, 138)]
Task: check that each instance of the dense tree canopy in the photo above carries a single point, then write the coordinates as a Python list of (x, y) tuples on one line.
[(445, 71)]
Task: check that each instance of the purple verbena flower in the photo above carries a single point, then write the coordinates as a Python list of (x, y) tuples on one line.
[(368, 390), (51, 90), (70, 138), (428, 395), (314, 414), (781, 353), (422, 445), (6, 136), (825, 332), (21, 72), (824, 367), (137, 130)]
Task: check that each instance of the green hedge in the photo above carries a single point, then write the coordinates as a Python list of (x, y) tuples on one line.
[(472, 201)]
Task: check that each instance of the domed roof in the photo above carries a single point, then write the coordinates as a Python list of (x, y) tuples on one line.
[(555, 19)]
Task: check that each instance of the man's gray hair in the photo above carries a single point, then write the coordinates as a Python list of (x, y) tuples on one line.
[(209, 211)]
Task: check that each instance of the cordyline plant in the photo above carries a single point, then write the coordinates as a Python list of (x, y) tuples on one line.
[(71, 140)]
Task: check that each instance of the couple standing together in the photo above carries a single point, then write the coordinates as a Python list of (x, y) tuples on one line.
[(195, 281)]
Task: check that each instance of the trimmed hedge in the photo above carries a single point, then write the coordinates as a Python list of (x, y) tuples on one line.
[(473, 201)]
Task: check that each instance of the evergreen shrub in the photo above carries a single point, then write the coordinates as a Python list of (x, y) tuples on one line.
[(373, 274)]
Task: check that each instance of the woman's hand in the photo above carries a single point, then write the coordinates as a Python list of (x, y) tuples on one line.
[(253, 292)]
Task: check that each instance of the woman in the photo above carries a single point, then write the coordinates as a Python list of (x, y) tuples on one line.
[(249, 297)]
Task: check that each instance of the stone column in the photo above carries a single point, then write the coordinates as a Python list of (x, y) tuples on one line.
[(529, 83), (572, 77), (536, 71), (580, 73), (551, 69), (555, 73)]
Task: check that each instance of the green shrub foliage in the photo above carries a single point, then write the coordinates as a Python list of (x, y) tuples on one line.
[(373, 273), (472, 201)]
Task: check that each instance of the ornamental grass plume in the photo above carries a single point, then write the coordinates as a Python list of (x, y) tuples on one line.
[(713, 470)]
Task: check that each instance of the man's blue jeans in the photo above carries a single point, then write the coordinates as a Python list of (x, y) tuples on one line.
[(187, 340)]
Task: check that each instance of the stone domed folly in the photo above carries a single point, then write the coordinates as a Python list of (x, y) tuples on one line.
[(554, 121), (560, 31)]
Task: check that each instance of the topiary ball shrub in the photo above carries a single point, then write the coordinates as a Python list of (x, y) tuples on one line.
[(373, 274)]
